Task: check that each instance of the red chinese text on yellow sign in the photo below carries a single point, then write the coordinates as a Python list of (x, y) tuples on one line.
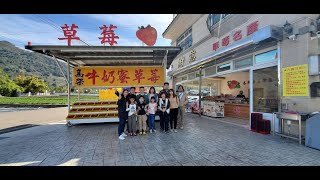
[(295, 80), (118, 76)]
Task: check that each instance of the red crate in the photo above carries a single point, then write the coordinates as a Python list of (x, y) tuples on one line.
[(264, 126), (255, 117)]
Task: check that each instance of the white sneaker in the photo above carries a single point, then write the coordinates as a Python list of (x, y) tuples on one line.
[(124, 135), (154, 131), (150, 131), (175, 131), (121, 137), (171, 130), (181, 127)]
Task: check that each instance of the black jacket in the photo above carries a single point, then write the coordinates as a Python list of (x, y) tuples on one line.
[(166, 91), (122, 106)]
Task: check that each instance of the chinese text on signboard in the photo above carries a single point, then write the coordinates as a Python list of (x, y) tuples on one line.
[(118, 76), (295, 81), (235, 36)]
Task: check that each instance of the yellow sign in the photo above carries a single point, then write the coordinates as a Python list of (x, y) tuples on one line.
[(109, 94), (295, 80), (118, 76)]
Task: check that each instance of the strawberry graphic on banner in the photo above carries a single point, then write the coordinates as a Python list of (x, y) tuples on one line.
[(233, 84)]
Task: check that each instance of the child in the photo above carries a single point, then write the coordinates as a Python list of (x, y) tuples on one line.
[(142, 116), (152, 107), (132, 108), (164, 107)]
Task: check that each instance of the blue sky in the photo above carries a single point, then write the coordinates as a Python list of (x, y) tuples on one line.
[(43, 29)]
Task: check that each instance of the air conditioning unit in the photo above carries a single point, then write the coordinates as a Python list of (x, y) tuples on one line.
[(314, 65)]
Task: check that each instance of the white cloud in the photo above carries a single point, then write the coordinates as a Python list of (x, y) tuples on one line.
[(160, 21)]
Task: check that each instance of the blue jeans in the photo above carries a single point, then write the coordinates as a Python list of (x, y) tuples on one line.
[(151, 119), (121, 125)]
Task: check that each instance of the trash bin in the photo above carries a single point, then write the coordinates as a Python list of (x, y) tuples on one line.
[(312, 132)]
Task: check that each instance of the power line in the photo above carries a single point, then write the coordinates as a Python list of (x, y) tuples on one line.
[(55, 26)]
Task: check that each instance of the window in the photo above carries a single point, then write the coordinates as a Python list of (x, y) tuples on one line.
[(184, 78), (267, 56), (210, 71), (185, 40), (224, 67), (214, 19), (265, 90), (191, 76), (243, 63)]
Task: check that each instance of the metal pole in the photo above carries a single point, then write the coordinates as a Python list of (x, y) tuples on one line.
[(165, 66), (273, 124), (300, 130), (79, 94), (60, 68), (68, 77), (200, 79)]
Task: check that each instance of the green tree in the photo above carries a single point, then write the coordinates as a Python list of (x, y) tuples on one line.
[(7, 86), (32, 83), (59, 89)]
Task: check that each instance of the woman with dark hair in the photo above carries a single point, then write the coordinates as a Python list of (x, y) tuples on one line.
[(122, 113), (153, 93), (183, 101), (174, 104), (164, 107)]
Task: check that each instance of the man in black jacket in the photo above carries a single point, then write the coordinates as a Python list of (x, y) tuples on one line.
[(165, 90)]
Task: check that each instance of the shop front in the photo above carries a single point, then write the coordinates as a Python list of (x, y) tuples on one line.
[(235, 81)]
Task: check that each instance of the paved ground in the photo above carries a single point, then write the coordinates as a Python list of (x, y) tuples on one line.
[(12, 119), (204, 142)]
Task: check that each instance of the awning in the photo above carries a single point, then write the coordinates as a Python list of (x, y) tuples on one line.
[(110, 55), (266, 34)]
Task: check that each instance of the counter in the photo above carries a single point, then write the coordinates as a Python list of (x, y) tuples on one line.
[(241, 111)]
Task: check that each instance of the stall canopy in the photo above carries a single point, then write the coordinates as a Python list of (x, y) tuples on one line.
[(111, 55), (95, 56)]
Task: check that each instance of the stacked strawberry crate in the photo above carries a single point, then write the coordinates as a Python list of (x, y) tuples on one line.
[(91, 112), (260, 125)]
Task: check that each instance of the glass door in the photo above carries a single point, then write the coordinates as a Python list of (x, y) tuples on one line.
[(264, 96)]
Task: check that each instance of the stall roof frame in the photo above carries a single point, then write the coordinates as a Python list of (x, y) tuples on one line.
[(92, 56)]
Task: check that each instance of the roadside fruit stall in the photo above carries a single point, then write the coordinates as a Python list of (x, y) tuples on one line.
[(107, 68)]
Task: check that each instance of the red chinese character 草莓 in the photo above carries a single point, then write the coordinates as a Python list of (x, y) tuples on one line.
[(92, 76), (215, 46), (106, 77), (138, 74), (251, 28), (108, 35), (237, 35), (154, 78), (123, 76), (70, 34), (225, 41)]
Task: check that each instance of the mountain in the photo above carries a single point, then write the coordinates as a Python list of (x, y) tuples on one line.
[(15, 61)]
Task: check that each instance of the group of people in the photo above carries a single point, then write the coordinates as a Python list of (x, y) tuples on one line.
[(140, 110)]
